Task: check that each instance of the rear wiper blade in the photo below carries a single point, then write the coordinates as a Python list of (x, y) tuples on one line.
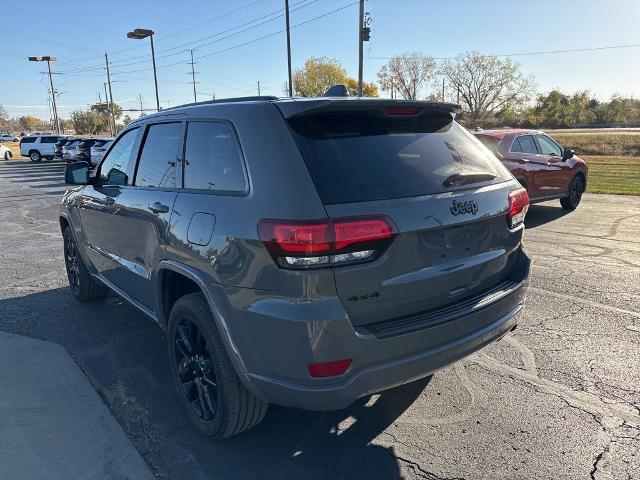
[(458, 179)]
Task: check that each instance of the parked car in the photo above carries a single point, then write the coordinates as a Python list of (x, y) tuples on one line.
[(99, 149), (5, 152), (68, 149), (7, 137), (540, 164), (82, 151), (57, 148), (300, 252), (37, 147)]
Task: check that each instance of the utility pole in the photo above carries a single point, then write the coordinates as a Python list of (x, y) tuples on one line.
[(392, 89), (49, 59), (258, 87), (360, 46), (443, 89), (53, 99), (141, 109), (110, 99), (290, 86), (193, 77)]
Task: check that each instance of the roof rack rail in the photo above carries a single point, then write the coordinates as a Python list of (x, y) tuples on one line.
[(255, 98)]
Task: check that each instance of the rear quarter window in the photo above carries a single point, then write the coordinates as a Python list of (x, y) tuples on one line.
[(365, 156), (213, 158)]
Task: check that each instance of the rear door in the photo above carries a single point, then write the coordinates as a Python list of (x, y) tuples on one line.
[(557, 174), (142, 212), (453, 241)]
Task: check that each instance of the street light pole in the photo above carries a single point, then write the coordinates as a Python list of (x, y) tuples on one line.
[(139, 34), (155, 75)]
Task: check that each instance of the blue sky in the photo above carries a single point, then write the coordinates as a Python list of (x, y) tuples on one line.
[(78, 33)]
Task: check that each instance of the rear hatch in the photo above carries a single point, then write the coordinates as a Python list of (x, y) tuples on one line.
[(445, 194)]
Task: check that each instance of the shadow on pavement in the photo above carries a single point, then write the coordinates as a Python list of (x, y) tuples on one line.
[(124, 356), (542, 214)]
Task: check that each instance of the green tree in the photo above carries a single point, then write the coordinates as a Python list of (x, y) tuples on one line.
[(87, 122), (102, 109), (320, 73)]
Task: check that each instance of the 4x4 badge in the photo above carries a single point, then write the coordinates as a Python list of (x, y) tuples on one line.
[(460, 208)]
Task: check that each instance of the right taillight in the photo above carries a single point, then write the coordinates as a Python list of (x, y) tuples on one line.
[(518, 206), (323, 243)]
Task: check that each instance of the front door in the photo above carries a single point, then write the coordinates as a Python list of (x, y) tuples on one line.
[(97, 204), (142, 212), (557, 173)]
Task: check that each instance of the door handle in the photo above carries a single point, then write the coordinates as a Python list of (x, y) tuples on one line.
[(157, 207)]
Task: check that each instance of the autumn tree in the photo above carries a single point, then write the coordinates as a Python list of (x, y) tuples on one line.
[(407, 74), (29, 122), (320, 73), (486, 84), (87, 122)]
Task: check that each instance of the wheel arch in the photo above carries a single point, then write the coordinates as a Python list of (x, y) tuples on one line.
[(169, 271)]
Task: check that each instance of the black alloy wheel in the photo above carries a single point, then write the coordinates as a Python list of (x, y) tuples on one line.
[(195, 370)]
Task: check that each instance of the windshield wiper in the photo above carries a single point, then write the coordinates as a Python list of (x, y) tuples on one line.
[(458, 179)]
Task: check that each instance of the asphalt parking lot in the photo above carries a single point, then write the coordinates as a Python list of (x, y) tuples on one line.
[(559, 398)]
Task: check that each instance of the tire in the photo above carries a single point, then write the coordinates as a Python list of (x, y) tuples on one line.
[(7, 155), (202, 372), (35, 156), (83, 286), (576, 189)]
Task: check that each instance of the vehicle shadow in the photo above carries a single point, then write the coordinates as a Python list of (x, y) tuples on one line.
[(124, 356), (542, 214)]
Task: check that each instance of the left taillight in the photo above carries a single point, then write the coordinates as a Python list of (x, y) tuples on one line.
[(518, 207), (322, 243)]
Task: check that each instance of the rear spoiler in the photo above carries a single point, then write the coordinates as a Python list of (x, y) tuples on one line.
[(295, 108)]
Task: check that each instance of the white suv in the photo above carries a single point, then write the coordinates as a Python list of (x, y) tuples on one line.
[(39, 146)]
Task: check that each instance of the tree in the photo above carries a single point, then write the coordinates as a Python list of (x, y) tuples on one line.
[(86, 122), (368, 89), (3, 113), (126, 120), (102, 109), (320, 73), (486, 84), (406, 74), (29, 122)]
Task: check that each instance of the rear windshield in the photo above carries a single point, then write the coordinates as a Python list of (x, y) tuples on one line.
[(359, 157)]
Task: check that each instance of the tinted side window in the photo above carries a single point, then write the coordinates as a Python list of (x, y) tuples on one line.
[(157, 164), (117, 167), (548, 146), (213, 158), (515, 146), (49, 140), (527, 144), (28, 140)]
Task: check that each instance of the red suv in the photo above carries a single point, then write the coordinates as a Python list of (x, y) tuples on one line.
[(544, 168)]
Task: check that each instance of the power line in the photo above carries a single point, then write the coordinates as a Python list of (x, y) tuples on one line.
[(540, 52), (278, 32)]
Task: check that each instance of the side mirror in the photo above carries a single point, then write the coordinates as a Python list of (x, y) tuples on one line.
[(567, 153), (77, 174)]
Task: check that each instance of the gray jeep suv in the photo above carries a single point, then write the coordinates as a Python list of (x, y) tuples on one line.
[(302, 252)]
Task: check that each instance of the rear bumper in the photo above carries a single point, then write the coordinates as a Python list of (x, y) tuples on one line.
[(376, 378), (275, 339)]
